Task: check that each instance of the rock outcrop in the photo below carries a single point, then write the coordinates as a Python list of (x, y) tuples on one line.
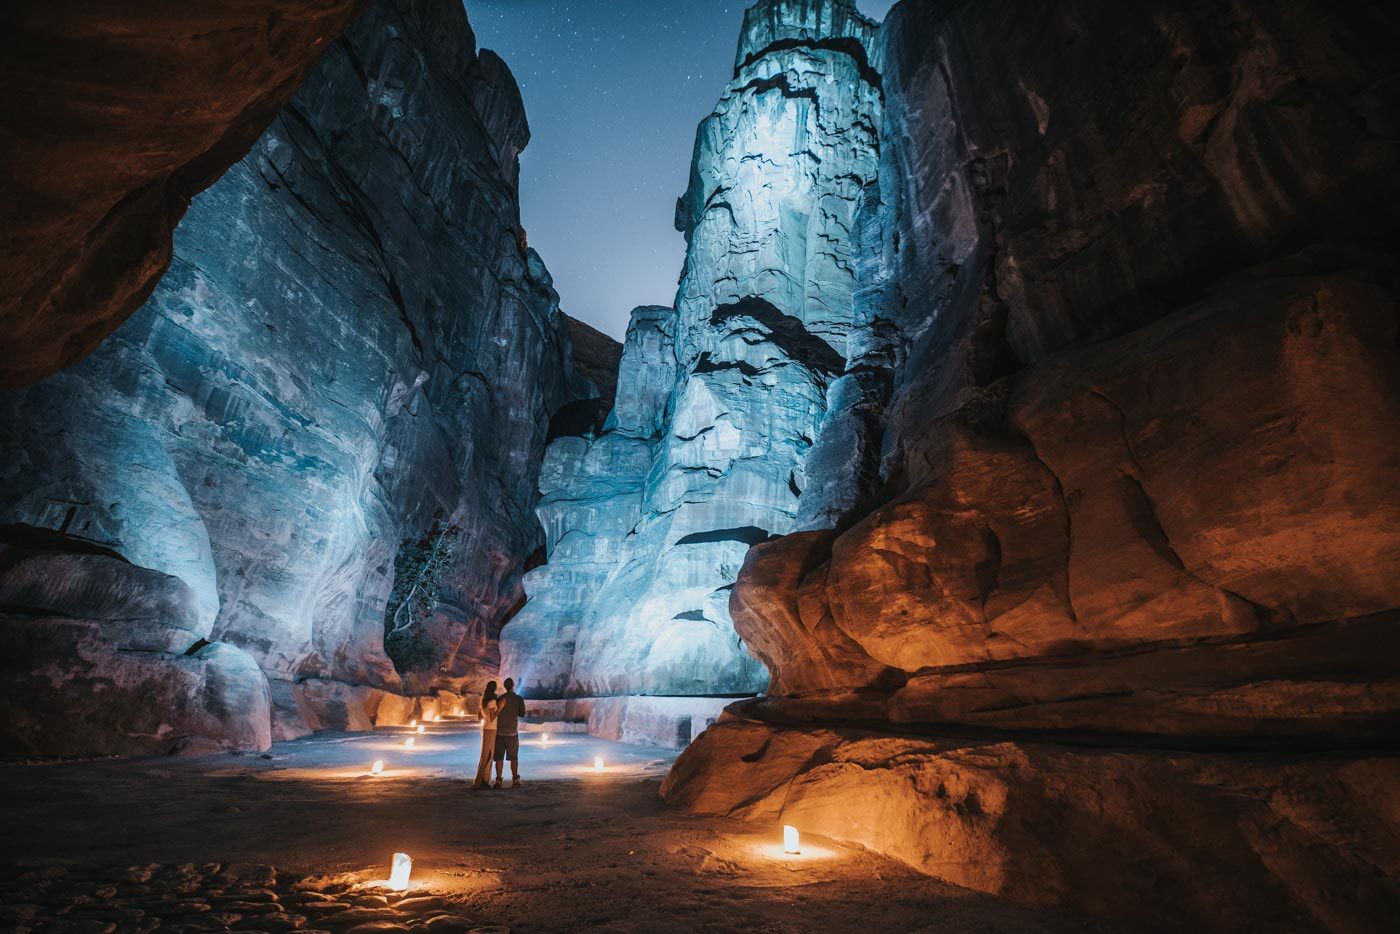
[(592, 485), (1115, 458), (650, 520), (1174, 841), (115, 115), (326, 424)]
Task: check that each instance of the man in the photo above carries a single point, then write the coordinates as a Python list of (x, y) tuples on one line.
[(508, 734)]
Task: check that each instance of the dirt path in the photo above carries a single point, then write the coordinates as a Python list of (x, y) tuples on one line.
[(571, 851)]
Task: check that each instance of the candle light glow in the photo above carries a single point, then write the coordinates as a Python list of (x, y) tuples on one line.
[(377, 768), (398, 876), (408, 743), (790, 841), (597, 763)]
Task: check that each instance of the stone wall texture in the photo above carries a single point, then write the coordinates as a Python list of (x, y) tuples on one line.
[(115, 115), (649, 520), (317, 445), (1114, 460)]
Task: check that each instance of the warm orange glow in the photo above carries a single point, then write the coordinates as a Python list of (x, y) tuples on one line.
[(377, 768), (597, 763), (790, 846), (398, 877)]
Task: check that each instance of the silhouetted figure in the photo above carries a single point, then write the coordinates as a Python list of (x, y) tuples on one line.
[(490, 707), (512, 708)]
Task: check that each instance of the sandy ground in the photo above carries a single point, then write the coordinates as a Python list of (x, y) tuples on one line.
[(572, 850)]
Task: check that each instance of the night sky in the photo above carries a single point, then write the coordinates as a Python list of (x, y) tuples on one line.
[(614, 90)]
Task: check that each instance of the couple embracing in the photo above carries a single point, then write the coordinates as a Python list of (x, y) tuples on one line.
[(500, 734)]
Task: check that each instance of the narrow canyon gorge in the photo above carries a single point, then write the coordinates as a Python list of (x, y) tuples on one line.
[(1012, 489)]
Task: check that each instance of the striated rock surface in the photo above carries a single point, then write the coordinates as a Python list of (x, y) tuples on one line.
[(1168, 841), (592, 485), (760, 328), (1115, 458), (596, 358), (101, 657), (115, 115), (327, 421), (1192, 441)]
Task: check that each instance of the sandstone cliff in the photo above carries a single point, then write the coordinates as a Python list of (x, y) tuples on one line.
[(320, 438), (1115, 459), (716, 438), (115, 115)]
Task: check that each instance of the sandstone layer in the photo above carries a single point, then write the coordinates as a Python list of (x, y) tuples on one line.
[(1165, 840), (326, 424), (115, 115), (1115, 458), (649, 520)]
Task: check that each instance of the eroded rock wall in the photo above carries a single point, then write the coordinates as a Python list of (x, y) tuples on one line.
[(115, 115), (1138, 351), (1116, 454), (760, 328), (1167, 841), (327, 422), (592, 483)]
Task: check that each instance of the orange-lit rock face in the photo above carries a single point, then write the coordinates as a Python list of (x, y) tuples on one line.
[(116, 114), (1226, 474), (1115, 460), (1170, 841), (1142, 379)]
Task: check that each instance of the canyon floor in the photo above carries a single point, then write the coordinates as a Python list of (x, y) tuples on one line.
[(298, 838)]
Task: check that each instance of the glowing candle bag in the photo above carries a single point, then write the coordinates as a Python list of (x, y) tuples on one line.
[(398, 877), (790, 840)]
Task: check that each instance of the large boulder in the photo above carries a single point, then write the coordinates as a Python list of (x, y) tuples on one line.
[(101, 657), (1164, 840)]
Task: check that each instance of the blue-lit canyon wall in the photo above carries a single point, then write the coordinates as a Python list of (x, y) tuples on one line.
[(300, 481), (649, 516), (1102, 528)]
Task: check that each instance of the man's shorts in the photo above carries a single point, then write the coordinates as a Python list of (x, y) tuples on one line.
[(507, 747)]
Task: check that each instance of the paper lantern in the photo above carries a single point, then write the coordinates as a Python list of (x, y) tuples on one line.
[(790, 840), (408, 743), (413, 722), (597, 763), (544, 739), (398, 877), (377, 768)]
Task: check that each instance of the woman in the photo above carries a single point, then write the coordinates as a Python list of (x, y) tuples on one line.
[(490, 709)]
